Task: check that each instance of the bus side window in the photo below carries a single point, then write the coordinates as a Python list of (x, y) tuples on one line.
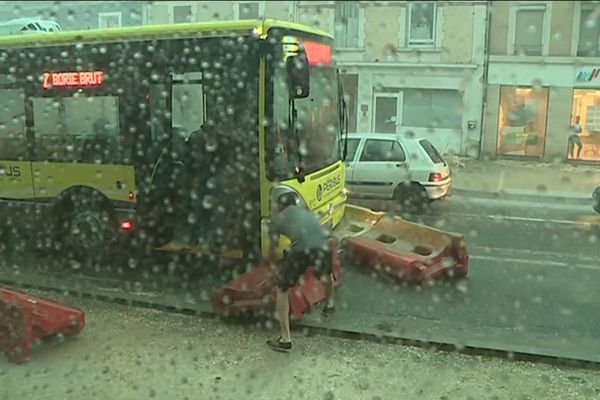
[(82, 129), (13, 140), (187, 105), (157, 100)]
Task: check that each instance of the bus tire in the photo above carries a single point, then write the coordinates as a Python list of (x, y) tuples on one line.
[(86, 225)]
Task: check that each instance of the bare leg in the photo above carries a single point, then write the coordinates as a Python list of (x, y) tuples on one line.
[(283, 313), (329, 292), (570, 149)]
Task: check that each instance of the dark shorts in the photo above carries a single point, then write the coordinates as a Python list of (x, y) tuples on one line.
[(575, 139), (296, 262)]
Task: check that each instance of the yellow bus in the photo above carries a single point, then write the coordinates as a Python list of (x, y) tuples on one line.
[(175, 136)]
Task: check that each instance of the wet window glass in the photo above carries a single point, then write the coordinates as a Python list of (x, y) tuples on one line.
[(299, 199), (317, 142), (382, 151), (12, 119), (82, 129), (352, 147)]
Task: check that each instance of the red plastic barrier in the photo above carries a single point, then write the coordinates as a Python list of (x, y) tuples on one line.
[(25, 318), (381, 249), (255, 291)]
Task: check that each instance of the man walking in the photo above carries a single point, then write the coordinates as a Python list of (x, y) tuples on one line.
[(309, 247)]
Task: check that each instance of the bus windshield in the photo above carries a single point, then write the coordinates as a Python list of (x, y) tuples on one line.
[(317, 143)]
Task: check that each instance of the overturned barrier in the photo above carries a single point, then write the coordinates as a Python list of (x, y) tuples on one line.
[(255, 291), (25, 318)]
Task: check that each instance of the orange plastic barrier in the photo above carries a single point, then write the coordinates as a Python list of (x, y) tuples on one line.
[(255, 291), (25, 318), (401, 249)]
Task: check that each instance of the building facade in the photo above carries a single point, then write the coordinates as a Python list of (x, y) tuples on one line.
[(415, 68), (544, 69)]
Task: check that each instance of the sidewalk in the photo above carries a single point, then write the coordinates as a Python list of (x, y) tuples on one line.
[(132, 353), (525, 179)]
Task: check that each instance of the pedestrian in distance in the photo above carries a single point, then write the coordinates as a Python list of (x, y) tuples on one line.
[(575, 139), (309, 248)]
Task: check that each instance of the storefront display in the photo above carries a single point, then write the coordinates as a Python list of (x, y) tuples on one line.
[(586, 105), (522, 121)]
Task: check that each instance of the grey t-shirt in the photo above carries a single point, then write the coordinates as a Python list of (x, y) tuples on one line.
[(301, 226)]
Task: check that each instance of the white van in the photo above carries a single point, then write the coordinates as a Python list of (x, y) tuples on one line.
[(387, 166), (21, 26)]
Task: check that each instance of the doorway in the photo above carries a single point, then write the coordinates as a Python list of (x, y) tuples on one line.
[(388, 112)]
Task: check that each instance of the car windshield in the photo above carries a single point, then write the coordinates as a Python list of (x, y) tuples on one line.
[(418, 217)]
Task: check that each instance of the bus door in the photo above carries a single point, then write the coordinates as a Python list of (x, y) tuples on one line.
[(190, 164), (176, 113)]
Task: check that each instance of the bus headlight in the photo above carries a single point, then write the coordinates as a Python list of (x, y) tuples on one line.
[(281, 190)]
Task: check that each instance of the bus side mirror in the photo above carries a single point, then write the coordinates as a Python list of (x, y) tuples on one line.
[(298, 75)]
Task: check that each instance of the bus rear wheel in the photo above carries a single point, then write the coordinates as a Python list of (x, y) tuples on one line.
[(87, 228)]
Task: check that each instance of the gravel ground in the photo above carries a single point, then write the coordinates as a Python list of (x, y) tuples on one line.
[(134, 353)]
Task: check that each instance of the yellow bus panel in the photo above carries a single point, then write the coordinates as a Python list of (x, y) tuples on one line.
[(116, 182), (15, 180)]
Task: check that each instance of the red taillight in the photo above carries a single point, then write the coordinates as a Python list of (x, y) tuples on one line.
[(126, 226), (435, 177), (131, 196)]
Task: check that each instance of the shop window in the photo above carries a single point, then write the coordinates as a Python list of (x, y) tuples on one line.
[(346, 24), (583, 141), (589, 32), (522, 121), (421, 23), (432, 108), (529, 28), (82, 129), (13, 141), (109, 20)]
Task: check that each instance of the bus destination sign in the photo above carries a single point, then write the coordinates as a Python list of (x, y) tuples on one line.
[(72, 79)]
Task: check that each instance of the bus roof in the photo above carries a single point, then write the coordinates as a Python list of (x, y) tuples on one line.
[(148, 32)]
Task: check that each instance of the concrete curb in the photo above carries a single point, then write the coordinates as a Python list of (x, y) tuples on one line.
[(578, 199)]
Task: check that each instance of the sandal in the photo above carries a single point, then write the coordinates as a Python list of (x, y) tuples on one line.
[(278, 344)]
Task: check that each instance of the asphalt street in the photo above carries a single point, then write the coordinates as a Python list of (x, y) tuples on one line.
[(533, 276)]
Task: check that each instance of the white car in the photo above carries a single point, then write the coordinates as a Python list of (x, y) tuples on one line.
[(386, 166), (28, 25)]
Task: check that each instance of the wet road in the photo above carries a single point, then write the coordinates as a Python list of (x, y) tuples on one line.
[(533, 281), (532, 284)]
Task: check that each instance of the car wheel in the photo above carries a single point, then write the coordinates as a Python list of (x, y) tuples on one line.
[(411, 197)]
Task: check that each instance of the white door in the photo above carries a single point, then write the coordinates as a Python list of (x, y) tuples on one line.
[(388, 112), (381, 165), (353, 144)]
